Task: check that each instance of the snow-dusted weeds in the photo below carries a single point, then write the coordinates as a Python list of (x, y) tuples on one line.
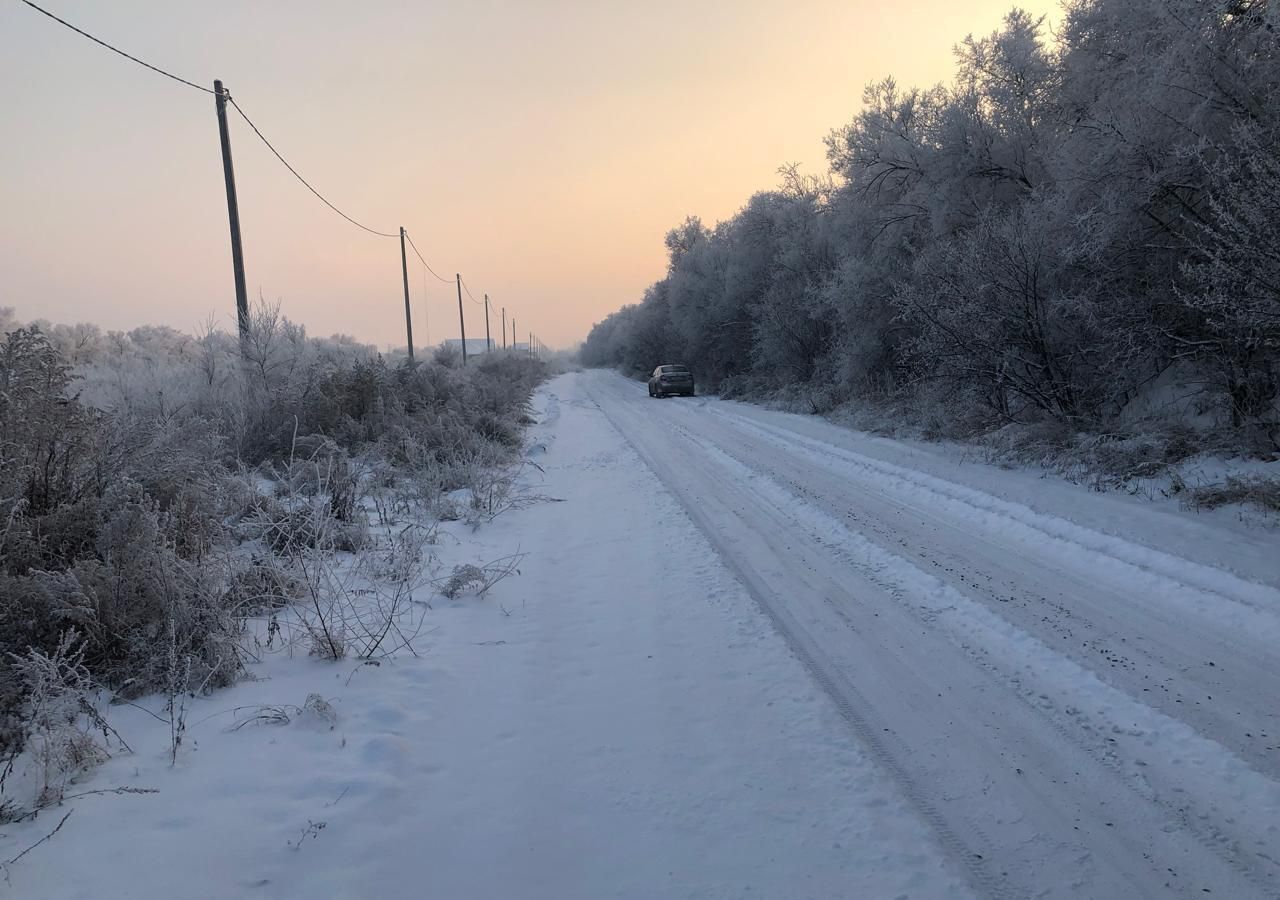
[(619, 719)]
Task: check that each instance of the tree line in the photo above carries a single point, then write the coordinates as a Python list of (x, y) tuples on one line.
[(1079, 220)]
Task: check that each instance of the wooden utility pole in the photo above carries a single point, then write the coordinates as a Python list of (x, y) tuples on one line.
[(488, 341), (408, 317), (233, 214), (504, 328), (514, 340), (462, 322)]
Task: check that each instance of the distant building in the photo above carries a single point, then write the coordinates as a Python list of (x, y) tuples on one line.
[(475, 346)]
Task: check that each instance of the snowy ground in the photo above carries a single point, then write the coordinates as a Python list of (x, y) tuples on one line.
[(749, 655)]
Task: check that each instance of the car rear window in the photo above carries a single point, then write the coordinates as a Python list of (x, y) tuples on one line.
[(674, 369)]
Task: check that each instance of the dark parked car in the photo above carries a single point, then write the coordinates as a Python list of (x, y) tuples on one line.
[(668, 380)]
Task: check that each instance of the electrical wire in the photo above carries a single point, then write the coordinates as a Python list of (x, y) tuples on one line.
[(424, 262), (304, 181), (117, 49), (261, 137), (206, 90), (471, 295)]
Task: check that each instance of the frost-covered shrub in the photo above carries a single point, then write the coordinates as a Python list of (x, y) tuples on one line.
[(61, 728), (478, 579), (302, 524), (1258, 491), (105, 525), (46, 437), (1122, 457), (353, 399), (262, 586), (125, 482), (138, 594)]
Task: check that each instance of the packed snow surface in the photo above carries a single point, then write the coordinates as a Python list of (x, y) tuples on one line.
[(749, 654)]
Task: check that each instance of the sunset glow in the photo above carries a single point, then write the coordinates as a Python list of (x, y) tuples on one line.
[(539, 148)]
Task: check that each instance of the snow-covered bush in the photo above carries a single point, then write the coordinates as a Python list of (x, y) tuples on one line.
[(477, 579), (261, 586), (126, 482), (1262, 493), (365, 607), (62, 730)]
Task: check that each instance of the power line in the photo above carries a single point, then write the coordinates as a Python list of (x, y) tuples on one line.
[(226, 95), (206, 90), (424, 262), (264, 140), (117, 49), (471, 295)]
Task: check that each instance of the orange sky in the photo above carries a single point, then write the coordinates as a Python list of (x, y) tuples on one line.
[(541, 148)]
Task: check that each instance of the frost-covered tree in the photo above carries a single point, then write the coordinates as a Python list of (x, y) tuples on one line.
[(1042, 238), (1234, 280)]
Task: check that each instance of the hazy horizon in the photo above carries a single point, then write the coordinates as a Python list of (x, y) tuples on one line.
[(540, 149)]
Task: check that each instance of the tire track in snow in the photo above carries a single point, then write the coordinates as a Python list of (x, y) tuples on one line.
[(1020, 658), (1170, 632), (846, 699), (1177, 572), (1026, 862)]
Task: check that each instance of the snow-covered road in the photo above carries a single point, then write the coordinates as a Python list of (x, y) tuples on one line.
[(1072, 708), (749, 654)]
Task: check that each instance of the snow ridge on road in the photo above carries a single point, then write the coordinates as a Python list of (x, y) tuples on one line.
[(1060, 776), (1211, 586)]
